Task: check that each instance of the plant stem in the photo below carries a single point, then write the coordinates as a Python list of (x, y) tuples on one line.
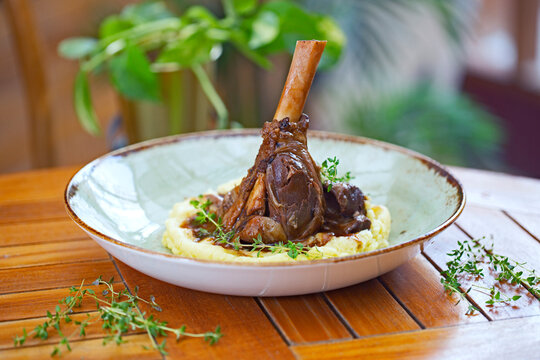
[(228, 8), (212, 95)]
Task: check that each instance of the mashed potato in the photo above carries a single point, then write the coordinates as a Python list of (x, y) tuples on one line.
[(182, 241)]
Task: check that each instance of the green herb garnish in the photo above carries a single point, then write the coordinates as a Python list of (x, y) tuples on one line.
[(329, 173), (119, 313), (467, 259), (203, 216)]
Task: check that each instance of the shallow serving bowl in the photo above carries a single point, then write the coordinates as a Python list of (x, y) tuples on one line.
[(123, 198)]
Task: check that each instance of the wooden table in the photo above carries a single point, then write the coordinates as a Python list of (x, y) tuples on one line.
[(405, 313)]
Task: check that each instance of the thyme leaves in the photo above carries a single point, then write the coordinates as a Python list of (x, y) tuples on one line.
[(471, 258), (117, 310)]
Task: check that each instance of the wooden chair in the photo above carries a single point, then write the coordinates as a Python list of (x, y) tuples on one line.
[(24, 30)]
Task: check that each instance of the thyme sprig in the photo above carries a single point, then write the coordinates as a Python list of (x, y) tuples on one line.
[(471, 257), (292, 249), (220, 236), (329, 173), (119, 312)]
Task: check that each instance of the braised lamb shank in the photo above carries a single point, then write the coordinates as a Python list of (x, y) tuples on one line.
[(282, 197)]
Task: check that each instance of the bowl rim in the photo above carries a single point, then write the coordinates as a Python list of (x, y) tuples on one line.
[(72, 188)]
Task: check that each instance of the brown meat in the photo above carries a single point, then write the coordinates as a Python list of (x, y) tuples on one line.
[(282, 197), (345, 210), (283, 184), (295, 197), (256, 202), (267, 228)]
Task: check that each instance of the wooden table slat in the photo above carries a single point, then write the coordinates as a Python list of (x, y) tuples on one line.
[(54, 276), (133, 348), (530, 222), (499, 191), (509, 238), (32, 211), (43, 253), (305, 318), (240, 318), (370, 310), (514, 338), (417, 285), (35, 186), (40, 232), (34, 304), (51, 253), (8, 329)]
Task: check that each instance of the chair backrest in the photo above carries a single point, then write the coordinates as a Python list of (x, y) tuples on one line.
[(26, 41)]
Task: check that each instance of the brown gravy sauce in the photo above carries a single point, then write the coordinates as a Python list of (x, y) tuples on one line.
[(205, 231)]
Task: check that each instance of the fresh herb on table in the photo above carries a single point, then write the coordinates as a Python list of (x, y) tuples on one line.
[(119, 312), (227, 238), (132, 46), (468, 259), (329, 173)]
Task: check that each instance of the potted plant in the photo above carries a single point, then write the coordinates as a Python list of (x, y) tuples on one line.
[(161, 63)]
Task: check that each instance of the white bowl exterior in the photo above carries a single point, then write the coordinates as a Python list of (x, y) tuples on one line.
[(231, 279)]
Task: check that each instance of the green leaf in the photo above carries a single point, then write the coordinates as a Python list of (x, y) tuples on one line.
[(330, 31), (132, 76), (76, 48), (56, 351), (297, 24), (244, 6), (113, 25), (83, 104), (265, 29), (196, 49), (146, 11), (200, 14)]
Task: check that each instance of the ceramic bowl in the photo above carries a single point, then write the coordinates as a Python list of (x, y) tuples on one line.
[(123, 198)]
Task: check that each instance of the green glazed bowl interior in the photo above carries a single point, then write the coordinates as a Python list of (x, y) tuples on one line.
[(127, 195)]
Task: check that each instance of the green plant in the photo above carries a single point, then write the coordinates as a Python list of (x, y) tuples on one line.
[(449, 127), (381, 31), (329, 173), (468, 262), (117, 310), (134, 44)]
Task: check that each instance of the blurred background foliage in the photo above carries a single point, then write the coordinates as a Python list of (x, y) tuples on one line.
[(448, 126), (397, 81), (411, 72)]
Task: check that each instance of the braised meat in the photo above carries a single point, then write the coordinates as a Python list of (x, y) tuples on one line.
[(282, 197), (345, 210), (283, 185)]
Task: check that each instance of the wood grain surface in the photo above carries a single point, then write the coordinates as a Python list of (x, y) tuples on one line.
[(49, 231), (402, 314), (305, 318), (488, 340), (369, 309)]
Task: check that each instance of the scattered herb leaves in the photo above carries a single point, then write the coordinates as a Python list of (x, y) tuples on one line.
[(119, 313), (467, 259)]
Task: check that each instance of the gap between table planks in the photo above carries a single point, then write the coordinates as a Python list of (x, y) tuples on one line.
[(505, 339), (393, 299)]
